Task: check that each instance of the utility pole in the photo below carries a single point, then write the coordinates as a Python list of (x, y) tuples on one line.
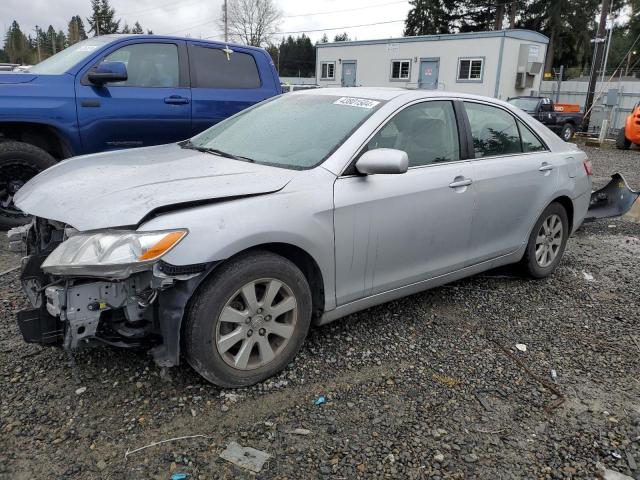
[(606, 54), (38, 44), (597, 59), (226, 22)]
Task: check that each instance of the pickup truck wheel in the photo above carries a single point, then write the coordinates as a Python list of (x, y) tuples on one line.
[(622, 142), (547, 242), (248, 321), (568, 130), (19, 162)]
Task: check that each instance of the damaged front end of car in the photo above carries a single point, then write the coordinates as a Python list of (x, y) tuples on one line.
[(103, 287)]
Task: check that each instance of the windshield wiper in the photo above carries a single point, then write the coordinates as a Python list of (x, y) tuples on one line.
[(189, 144)]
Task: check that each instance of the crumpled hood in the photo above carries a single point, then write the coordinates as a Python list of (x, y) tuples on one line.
[(120, 188), (11, 77)]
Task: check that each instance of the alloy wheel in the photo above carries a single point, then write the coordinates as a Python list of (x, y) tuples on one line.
[(549, 240), (256, 324)]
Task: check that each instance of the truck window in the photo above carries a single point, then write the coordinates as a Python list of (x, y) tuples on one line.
[(148, 64), (215, 68)]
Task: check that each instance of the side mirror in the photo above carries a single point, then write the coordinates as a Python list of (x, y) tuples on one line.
[(108, 72), (383, 161)]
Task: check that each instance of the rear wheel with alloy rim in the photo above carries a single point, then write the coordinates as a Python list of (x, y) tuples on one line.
[(547, 242), (248, 321)]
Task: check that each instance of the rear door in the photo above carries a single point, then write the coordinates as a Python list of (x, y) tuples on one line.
[(153, 106), (226, 80), (514, 175), (428, 76)]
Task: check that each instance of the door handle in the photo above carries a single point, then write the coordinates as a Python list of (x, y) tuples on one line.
[(176, 100), (545, 167), (460, 182)]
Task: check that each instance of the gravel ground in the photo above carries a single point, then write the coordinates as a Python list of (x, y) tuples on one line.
[(430, 386)]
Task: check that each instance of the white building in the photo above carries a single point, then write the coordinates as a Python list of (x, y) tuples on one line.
[(501, 64)]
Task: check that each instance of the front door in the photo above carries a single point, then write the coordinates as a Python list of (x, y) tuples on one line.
[(515, 177), (395, 230), (348, 74), (428, 78), (152, 107)]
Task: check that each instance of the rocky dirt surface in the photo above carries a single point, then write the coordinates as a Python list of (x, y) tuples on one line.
[(430, 386)]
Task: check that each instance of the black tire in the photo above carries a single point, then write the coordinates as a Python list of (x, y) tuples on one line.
[(568, 130), (622, 142), (19, 162), (529, 262), (201, 323)]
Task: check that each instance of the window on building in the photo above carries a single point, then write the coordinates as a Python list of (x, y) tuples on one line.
[(215, 68), (470, 69), (400, 69), (328, 70), (494, 131)]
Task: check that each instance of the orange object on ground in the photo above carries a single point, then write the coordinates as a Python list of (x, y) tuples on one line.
[(632, 126)]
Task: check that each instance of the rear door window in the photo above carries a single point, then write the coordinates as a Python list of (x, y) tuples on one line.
[(494, 131), (530, 142), (222, 68)]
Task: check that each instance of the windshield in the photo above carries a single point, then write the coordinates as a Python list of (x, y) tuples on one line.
[(526, 104), (69, 57), (292, 131)]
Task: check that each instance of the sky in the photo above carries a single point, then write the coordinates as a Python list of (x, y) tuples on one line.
[(198, 18)]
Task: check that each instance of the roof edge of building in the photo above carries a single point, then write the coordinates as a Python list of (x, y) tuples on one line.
[(518, 33)]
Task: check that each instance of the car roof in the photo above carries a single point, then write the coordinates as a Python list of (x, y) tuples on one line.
[(390, 93)]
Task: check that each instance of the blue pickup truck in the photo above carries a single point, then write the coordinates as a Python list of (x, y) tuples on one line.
[(120, 91)]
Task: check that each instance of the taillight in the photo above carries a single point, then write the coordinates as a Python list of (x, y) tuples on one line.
[(588, 167)]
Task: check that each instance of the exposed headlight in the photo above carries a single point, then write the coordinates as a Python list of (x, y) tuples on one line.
[(115, 253)]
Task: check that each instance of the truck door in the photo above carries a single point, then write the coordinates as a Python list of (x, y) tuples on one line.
[(153, 106), (226, 80)]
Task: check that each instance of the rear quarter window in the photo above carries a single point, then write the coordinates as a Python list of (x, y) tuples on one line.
[(215, 68)]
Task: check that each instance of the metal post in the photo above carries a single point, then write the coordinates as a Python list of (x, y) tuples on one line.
[(559, 83), (226, 22), (606, 54), (597, 58)]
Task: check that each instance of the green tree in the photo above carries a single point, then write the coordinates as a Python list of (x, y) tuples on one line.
[(102, 20), (16, 45), (429, 17), (341, 37), (137, 29), (126, 29), (324, 38), (75, 30), (4, 58)]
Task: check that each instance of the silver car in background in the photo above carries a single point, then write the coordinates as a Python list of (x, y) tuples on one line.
[(225, 248)]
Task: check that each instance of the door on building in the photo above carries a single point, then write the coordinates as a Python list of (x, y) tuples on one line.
[(349, 74), (428, 78)]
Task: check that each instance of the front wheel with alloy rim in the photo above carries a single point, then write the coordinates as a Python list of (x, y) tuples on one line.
[(19, 162), (547, 242), (248, 321)]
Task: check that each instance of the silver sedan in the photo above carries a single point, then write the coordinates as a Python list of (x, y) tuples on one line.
[(225, 248)]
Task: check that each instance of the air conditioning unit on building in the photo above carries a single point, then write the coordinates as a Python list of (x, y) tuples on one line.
[(529, 65)]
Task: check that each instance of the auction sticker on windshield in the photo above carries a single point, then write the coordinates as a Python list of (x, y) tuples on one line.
[(356, 102)]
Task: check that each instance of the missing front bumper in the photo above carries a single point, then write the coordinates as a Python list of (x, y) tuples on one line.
[(613, 200)]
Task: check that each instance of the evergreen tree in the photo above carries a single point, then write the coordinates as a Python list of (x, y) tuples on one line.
[(102, 20), (341, 37), (137, 29), (126, 28), (4, 58), (75, 30), (429, 17), (51, 43), (16, 45), (324, 38)]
